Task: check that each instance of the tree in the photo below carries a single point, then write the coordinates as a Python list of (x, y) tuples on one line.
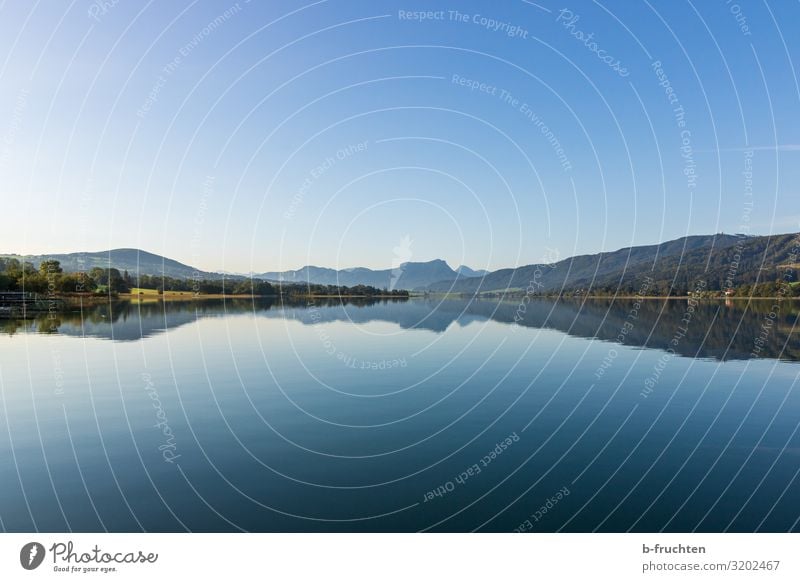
[(110, 278), (50, 267), (11, 267), (98, 275), (116, 284), (7, 282)]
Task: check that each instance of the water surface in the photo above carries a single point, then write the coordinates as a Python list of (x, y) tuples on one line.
[(427, 414)]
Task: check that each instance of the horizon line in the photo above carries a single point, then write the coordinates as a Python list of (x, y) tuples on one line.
[(254, 272)]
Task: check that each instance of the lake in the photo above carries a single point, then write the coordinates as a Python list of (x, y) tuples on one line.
[(420, 415)]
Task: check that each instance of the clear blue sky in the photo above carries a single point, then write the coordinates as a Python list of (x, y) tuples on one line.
[(226, 135)]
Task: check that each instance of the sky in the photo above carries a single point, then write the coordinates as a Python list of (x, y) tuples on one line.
[(258, 136)]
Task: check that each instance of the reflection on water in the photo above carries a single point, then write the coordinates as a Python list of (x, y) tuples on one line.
[(719, 330), (436, 415)]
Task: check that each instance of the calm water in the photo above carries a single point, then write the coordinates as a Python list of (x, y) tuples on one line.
[(402, 416)]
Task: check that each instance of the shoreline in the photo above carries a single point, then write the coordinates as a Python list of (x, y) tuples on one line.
[(647, 297), (74, 299)]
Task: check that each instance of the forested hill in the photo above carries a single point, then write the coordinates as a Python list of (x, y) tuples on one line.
[(720, 261), (135, 261)]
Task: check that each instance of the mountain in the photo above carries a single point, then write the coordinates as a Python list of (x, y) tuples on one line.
[(409, 276), (134, 261), (721, 260), (465, 271), (138, 262)]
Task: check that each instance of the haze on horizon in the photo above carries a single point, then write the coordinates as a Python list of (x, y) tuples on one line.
[(248, 138)]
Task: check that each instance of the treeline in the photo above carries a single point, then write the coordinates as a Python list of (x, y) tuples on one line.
[(665, 288), (16, 275), (206, 286), (749, 267), (306, 289), (50, 278)]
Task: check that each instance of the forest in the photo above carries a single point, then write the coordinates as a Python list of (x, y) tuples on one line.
[(51, 279)]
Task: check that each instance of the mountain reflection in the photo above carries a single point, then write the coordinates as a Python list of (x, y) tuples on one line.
[(707, 329)]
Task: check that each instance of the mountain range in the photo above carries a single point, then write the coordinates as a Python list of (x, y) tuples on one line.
[(720, 260), (411, 276)]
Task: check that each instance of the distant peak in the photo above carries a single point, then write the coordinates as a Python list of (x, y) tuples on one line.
[(434, 262), (470, 272)]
